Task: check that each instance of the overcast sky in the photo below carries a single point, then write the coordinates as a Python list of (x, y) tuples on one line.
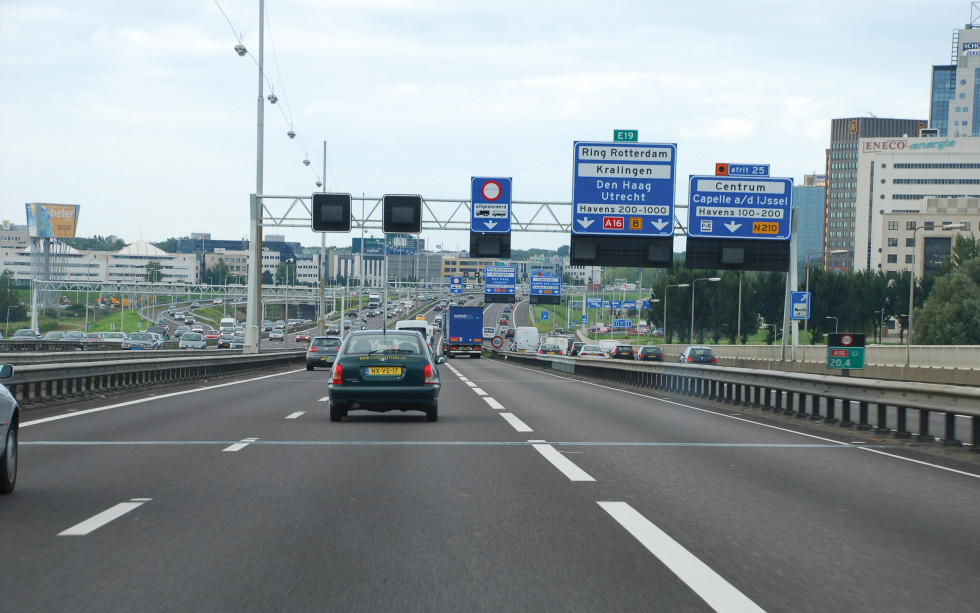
[(142, 113)]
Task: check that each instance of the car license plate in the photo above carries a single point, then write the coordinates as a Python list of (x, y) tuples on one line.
[(384, 370)]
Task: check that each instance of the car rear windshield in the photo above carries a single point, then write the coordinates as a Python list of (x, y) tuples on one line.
[(193, 336), (701, 351), (385, 343), (326, 342)]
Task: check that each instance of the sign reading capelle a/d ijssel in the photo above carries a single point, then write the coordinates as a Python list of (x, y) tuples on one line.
[(624, 189), (499, 279), (736, 207), (545, 286)]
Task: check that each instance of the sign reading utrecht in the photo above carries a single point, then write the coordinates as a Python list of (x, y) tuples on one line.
[(500, 279)]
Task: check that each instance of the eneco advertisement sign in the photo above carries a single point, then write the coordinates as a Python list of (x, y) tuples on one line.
[(51, 220)]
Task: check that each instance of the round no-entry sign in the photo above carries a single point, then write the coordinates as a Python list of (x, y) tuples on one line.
[(491, 190), (497, 342)]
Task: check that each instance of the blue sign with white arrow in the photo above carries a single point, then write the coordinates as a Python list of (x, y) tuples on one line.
[(741, 208), (499, 279), (800, 304), (545, 286), (593, 303), (624, 189), (491, 204)]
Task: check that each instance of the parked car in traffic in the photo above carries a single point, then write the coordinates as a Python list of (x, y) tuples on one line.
[(622, 352), (576, 347), (224, 340), (322, 351), (26, 334), (9, 430), (238, 342), (376, 371), (139, 340), (115, 338), (550, 349), (696, 354), (54, 335), (181, 330), (192, 340), (277, 335), (591, 351), (650, 353)]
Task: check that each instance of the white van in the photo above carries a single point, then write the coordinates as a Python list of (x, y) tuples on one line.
[(419, 325), (525, 339), (227, 324), (609, 345)]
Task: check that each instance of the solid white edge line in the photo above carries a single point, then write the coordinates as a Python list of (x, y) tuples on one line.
[(706, 583), (150, 399), (95, 522), (493, 403), (570, 470), (513, 420), (748, 421)]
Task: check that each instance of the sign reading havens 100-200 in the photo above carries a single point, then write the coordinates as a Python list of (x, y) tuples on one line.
[(739, 207), (624, 189)]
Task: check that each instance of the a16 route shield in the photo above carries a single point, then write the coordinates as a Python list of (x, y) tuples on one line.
[(624, 189), (739, 207), (491, 204)]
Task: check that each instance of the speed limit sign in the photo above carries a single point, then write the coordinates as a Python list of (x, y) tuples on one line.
[(497, 342)]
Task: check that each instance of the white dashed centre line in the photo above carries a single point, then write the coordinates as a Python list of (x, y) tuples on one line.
[(479, 392), (295, 415), (471, 384), (560, 462), (94, 523), (513, 420), (242, 445), (706, 583), (493, 403)]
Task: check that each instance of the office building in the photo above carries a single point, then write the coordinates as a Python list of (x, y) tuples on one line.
[(955, 103)]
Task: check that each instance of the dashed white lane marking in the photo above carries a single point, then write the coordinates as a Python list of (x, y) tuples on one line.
[(706, 583), (513, 420), (242, 445), (471, 384), (479, 392), (324, 399), (560, 462), (94, 523), (493, 403), (295, 415)]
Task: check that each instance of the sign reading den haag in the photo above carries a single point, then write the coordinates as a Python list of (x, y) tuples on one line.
[(51, 220)]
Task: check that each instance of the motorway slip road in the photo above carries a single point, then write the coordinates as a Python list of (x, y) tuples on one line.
[(532, 492)]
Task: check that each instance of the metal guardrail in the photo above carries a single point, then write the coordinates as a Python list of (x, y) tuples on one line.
[(38, 384), (826, 398)]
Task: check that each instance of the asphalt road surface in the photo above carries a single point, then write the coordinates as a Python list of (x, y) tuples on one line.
[(533, 492)]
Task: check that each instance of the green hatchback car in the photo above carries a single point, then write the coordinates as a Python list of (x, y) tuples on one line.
[(384, 371)]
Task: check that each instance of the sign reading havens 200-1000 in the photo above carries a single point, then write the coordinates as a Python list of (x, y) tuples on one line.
[(624, 189), (733, 207), (499, 279)]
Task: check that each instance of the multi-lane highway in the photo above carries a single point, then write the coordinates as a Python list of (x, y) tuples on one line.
[(533, 491)]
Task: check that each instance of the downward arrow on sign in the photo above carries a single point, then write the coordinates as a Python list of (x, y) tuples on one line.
[(732, 226), (586, 222), (490, 224), (659, 224)]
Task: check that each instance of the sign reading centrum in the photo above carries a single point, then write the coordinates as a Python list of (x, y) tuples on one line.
[(726, 207), (624, 189)]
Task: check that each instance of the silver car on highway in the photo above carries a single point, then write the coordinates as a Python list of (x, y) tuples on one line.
[(9, 428)]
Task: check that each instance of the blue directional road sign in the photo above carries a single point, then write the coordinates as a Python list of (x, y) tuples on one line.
[(624, 189), (545, 286), (544, 315), (739, 207), (800, 303), (622, 323), (499, 280), (585, 319), (629, 304), (593, 303), (491, 204), (616, 304)]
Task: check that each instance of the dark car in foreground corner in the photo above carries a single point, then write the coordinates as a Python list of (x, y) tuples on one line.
[(650, 353), (9, 428), (378, 371), (698, 355), (322, 351)]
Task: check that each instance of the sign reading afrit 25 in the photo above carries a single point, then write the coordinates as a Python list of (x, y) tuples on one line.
[(545, 286), (624, 189), (733, 207), (499, 279)]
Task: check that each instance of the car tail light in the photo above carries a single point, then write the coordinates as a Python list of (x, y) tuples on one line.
[(690, 359), (337, 374), (430, 376), (560, 353), (541, 351), (312, 349), (714, 360)]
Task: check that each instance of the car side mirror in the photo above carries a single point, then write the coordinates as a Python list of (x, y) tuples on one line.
[(440, 359)]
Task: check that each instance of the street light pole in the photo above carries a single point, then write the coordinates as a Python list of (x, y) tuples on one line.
[(665, 305), (709, 279), (835, 322)]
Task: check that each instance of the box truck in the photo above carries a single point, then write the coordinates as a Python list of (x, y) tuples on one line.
[(463, 332)]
